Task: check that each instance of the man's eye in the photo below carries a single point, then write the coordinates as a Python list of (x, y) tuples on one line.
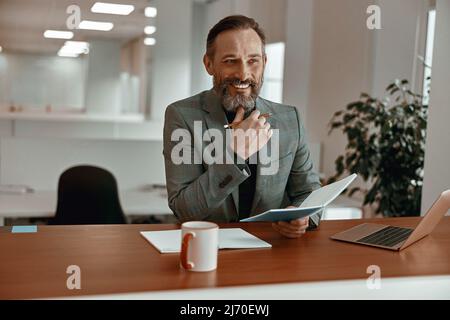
[(252, 61), (229, 61)]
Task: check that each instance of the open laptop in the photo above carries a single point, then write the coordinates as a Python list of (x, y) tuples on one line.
[(397, 238)]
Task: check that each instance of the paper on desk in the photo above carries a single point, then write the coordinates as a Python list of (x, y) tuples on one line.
[(169, 241)]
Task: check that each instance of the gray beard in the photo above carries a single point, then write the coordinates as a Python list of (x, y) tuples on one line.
[(230, 103)]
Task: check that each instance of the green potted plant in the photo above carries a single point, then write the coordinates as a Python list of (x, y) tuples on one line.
[(386, 147)]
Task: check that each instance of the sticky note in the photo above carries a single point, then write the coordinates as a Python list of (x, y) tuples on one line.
[(24, 229)]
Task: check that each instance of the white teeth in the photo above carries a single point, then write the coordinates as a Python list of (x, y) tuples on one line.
[(242, 86)]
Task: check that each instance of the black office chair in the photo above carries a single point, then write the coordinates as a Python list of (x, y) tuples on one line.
[(87, 195)]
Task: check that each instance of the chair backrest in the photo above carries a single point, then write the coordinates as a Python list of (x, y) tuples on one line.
[(88, 195)]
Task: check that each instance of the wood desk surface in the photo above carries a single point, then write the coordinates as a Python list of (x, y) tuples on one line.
[(117, 259)]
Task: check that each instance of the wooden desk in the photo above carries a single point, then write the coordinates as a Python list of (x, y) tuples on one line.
[(117, 259)]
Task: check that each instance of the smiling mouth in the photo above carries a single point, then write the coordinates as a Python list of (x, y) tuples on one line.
[(241, 86)]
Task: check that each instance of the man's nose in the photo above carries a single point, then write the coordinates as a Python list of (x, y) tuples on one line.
[(242, 72)]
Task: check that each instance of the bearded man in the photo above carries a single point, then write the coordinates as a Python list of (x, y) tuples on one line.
[(228, 192)]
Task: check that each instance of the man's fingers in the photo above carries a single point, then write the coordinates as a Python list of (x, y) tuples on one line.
[(262, 121), (291, 228), (255, 114), (286, 233), (276, 227), (300, 222), (239, 115), (291, 235), (288, 229)]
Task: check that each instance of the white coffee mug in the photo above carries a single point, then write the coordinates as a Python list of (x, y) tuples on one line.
[(199, 246)]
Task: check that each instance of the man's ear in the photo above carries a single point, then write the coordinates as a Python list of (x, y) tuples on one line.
[(265, 59), (208, 64)]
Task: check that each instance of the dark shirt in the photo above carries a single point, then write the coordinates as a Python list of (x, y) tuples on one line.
[(247, 187)]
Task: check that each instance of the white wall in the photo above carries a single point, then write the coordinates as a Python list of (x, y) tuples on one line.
[(396, 44), (200, 79), (133, 76), (437, 151), (90, 130), (269, 14), (299, 19), (103, 77), (340, 69), (4, 82), (171, 56), (6, 129), (36, 152), (39, 162)]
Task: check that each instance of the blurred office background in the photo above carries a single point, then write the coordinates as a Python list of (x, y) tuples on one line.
[(101, 100)]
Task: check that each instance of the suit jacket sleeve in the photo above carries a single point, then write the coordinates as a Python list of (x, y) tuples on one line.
[(303, 179), (191, 189)]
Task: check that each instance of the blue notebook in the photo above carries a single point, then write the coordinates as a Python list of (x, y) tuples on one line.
[(283, 214), (316, 201)]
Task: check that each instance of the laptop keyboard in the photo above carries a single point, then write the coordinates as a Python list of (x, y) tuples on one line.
[(388, 237)]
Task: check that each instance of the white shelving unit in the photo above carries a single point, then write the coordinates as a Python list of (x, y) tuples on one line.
[(80, 126), (84, 117)]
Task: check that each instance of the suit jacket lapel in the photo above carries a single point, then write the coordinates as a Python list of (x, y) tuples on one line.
[(216, 119), (261, 179)]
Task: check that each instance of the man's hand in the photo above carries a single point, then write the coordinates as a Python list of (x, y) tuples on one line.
[(292, 229), (250, 135)]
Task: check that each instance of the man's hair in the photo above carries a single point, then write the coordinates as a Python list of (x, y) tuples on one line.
[(236, 22)]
